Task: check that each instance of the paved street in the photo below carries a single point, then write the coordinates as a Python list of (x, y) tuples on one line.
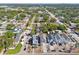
[(25, 38)]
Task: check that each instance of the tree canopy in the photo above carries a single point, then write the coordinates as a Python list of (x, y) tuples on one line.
[(10, 27)]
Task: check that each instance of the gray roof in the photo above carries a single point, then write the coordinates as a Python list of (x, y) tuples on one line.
[(17, 37), (59, 38), (35, 41)]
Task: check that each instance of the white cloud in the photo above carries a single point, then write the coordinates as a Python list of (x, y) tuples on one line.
[(39, 1)]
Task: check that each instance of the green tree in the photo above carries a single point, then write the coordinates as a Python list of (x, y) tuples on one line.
[(44, 29), (76, 21), (33, 30), (62, 27), (46, 17), (52, 26), (10, 27), (20, 17), (9, 34), (52, 20), (5, 42)]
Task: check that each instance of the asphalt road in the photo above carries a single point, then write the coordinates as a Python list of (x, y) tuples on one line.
[(25, 38)]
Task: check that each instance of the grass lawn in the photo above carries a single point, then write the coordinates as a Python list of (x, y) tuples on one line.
[(77, 30), (0, 49), (16, 50)]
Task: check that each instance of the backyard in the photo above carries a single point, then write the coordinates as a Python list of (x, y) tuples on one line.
[(16, 50)]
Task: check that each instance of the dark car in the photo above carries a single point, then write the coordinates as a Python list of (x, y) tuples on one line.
[(24, 49)]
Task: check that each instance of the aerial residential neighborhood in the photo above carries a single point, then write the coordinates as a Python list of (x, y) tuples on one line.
[(39, 29)]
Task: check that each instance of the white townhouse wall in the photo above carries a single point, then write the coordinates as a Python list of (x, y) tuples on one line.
[(2, 33)]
